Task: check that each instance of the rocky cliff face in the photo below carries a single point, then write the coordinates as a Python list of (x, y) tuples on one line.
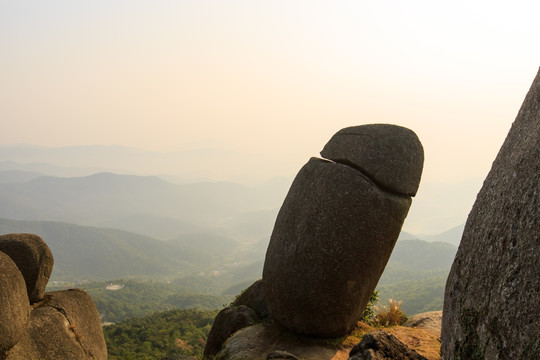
[(492, 294), (39, 325)]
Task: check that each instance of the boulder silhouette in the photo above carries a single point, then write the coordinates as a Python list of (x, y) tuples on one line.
[(337, 227), (492, 294), (33, 258)]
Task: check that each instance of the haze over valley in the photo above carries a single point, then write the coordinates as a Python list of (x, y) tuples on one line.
[(204, 236)]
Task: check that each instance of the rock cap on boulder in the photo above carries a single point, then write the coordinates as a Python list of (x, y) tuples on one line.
[(390, 155)]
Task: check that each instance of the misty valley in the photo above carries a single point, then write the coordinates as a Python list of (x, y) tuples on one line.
[(162, 240)]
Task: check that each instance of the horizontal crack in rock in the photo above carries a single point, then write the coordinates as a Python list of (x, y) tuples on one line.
[(368, 177)]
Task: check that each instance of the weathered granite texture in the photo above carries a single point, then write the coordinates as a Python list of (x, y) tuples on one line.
[(14, 305), (430, 321), (336, 229), (492, 296), (65, 325)]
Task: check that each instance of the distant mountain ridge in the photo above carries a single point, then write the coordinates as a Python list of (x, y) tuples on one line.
[(83, 252), (112, 199), (436, 208), (451, 236), (194, 164), (17, 176)]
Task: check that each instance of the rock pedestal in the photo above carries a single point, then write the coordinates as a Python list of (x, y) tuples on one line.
[(337, 227), (492, 294)]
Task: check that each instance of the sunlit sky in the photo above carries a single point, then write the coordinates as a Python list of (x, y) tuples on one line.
[(269, 77)]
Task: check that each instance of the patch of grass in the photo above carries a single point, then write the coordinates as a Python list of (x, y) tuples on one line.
[(390, 315)]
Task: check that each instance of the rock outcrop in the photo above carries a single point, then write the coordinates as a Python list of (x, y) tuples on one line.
[(253, 298), (227, 322), (270, 341), (430, 321), (38, 325), (248, 309), (379, 345), (337, 227), (259, 341), (492, 294)]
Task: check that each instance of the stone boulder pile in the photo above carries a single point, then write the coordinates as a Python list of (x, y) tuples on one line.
[(39, 325), (492, 296), (331, 242)]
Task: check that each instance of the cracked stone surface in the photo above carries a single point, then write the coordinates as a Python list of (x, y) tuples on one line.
[(390, 155), (336, 230)]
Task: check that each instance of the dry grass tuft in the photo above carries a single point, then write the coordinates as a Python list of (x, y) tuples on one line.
[(390, 315)]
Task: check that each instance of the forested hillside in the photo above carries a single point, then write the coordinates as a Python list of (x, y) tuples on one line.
[(118, 300), (176, 332)]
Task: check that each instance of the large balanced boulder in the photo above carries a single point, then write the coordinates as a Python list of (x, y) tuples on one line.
[(337, 227), (14, 305), (33, 258), (492, 295)]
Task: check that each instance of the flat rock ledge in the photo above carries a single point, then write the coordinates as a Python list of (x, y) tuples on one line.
[(270, 341)]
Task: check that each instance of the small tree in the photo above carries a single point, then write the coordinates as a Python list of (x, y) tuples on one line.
[(368, 316)]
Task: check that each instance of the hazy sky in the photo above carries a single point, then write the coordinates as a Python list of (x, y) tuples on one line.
[(269, 77)]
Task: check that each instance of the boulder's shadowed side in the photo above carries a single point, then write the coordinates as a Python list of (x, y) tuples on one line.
[(492, 296)]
